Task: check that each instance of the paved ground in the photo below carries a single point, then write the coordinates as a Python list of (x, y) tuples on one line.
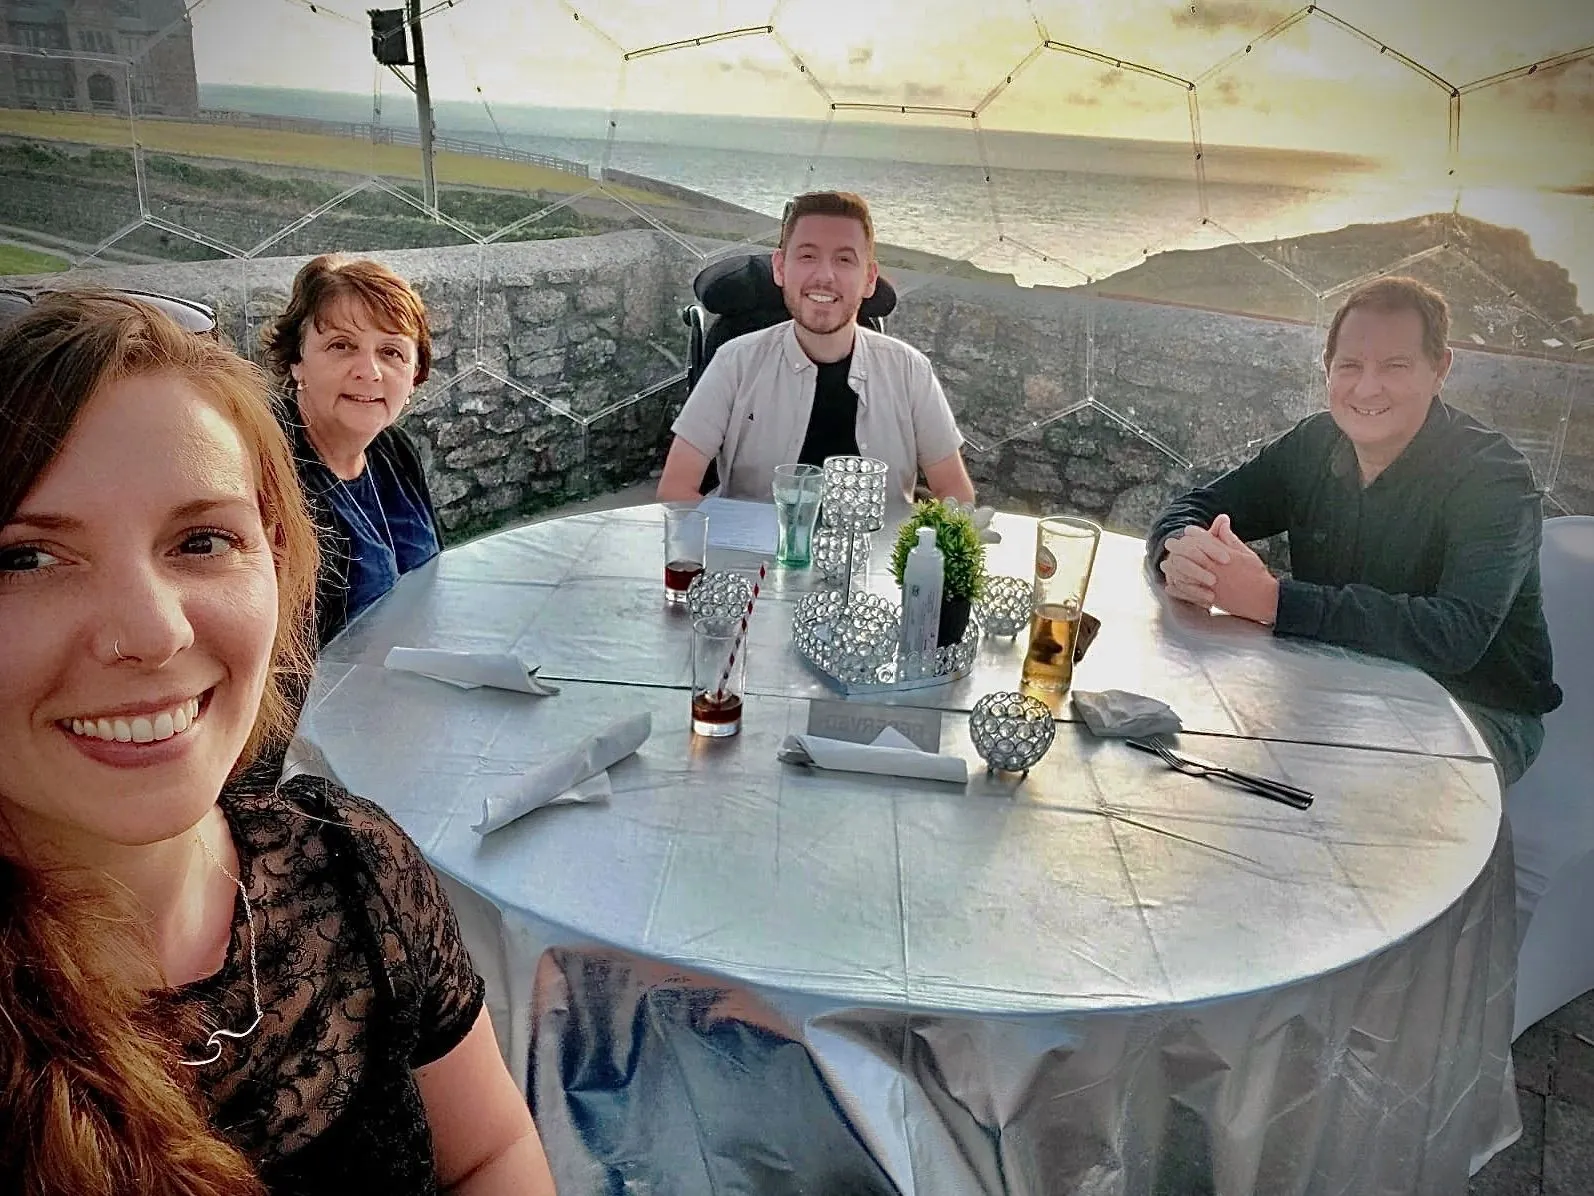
[(1555, 1087)]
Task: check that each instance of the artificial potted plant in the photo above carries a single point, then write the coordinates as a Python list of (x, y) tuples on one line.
[(963, 554)]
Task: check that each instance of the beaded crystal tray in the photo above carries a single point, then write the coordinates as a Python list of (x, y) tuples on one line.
[(854, 647)]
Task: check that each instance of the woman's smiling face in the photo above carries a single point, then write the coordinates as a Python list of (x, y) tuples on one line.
[(138, 606), (353, 377)]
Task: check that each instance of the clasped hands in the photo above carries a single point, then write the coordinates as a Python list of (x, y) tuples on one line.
[(1210, 567)]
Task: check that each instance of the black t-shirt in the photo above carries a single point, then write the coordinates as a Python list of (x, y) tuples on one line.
[(833, 423)]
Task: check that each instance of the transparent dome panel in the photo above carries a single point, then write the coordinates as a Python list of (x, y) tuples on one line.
[(948, 56), (1092, 163), (496, 451), (1472, 40), (1277, 171), (1572, 491), (1179, 39), (1209, 382), (924, 175), (707, 134), (1526, 165), (522, 123), (1008, 359), (69, 175), (633, 26)]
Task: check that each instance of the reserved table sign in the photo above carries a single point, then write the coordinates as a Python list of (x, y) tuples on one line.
[(860, 722)]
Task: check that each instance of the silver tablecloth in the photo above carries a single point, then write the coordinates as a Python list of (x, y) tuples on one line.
[(1109, 978)]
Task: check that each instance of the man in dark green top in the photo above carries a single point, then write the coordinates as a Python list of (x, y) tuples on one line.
[(1414, 530)]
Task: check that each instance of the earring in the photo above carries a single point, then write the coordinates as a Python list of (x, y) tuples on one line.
[(117, 648)]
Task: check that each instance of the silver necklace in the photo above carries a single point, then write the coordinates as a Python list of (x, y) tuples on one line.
[(214, 1041)]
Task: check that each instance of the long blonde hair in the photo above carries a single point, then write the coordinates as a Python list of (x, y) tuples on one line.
[(91, 1098)]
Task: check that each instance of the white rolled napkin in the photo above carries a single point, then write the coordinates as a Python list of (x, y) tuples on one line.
[(560, 779), (471, 670), (892, 754)]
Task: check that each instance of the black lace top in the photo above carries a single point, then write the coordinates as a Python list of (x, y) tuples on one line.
[(363, 978)]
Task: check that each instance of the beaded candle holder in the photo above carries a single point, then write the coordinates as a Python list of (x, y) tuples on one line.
[(1011, 731), (1006, 605), (854, 500), (718, 594), (830, 553), (854, 495)]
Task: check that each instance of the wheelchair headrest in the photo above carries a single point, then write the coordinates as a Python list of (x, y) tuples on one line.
[(746, 282)]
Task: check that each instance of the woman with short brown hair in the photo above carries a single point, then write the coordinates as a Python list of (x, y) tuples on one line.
[(352, 346)]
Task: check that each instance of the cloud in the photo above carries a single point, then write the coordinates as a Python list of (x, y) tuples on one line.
[(930, 95), (860, 56), (1567, 89), (1082, 100), (925, 95), (1221, 15), (1110, 78), (761, 68), (1227, 92)]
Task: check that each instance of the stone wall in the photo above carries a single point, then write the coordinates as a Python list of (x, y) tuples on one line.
[(1106, 407), (557, 364), (558, 367)]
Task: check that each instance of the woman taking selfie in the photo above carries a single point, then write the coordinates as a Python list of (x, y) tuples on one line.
[(352, 346), (203, 989)]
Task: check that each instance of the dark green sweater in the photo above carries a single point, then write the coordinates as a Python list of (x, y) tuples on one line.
[(1435, 563)]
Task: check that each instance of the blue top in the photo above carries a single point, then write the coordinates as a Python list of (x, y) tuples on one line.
[(389, 528)]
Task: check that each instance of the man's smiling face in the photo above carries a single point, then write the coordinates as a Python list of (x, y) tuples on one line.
[(1380, 380), (825, 272)]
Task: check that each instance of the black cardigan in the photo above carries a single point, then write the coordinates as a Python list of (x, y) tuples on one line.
[(393, 446), (1435, 563)]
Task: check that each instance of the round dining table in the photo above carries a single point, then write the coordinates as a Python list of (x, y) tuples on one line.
[(738, 974)]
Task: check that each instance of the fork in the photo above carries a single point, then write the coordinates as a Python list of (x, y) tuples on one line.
[(1262, 786)]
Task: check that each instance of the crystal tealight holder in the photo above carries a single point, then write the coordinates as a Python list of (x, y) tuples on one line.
[(1011, 731), (830, 553), (718, 594), (1006, 605), (854, 494)]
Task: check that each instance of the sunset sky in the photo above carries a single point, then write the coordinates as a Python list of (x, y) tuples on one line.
[(1315, 86)]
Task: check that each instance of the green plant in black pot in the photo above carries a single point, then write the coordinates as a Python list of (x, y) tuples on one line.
[(963, 554)]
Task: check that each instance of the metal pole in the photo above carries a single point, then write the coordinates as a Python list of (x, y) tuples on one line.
[(423, 106)]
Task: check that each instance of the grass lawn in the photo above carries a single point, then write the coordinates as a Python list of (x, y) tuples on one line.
[(16, 260), (306, 151)]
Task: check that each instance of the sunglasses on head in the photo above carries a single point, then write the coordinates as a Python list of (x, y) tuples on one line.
[(188, 314)]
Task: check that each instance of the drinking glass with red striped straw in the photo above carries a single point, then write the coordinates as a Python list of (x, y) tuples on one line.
[(717, 691)]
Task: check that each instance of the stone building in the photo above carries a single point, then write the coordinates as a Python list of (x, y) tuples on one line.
[(98, 56)]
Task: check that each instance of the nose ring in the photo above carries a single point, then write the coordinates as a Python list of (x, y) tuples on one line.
[(117, 648)]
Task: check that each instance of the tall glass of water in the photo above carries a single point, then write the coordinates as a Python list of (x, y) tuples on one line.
[(797, 489)]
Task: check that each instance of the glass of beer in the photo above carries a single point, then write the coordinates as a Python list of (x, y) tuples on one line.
[(719, 675), (1065, 552), (685, 550), (796, 489)]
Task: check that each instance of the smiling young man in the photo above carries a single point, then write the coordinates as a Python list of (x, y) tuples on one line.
[(1414, 530), (817, 385)]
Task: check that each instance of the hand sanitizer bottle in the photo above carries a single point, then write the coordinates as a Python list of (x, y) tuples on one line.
[(922, 578)]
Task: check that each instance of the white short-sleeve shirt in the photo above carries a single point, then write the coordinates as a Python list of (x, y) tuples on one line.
[(750, 409)]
